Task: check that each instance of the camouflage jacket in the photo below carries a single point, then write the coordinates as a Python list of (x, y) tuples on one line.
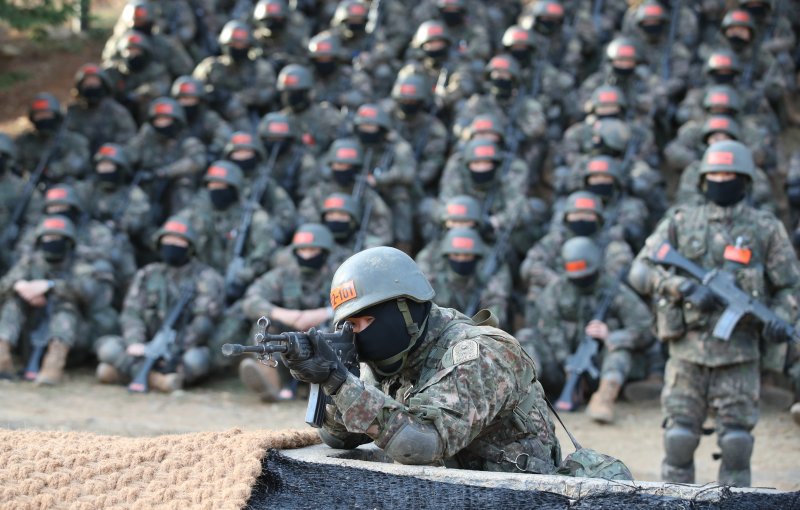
[(344, 87), (761, 195), (464, 381), (319, 125), (165, 50), (237, 87), (68, 161), (104, 203), (296, 171), (288, 286), (180, 157), (642, 89), (276, 202), (109, 122), (530, 120), (212, 130), (137, 89), (287, 46), (428, 139)]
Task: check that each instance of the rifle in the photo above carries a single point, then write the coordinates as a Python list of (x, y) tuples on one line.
[(581, 362), (722, 284), (12, 230), (163, 343), (233, 288), (302, 345), (40, 338), (492, 263), (512, 138)]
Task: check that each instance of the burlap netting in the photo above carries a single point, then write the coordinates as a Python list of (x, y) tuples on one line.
[(214, 470)]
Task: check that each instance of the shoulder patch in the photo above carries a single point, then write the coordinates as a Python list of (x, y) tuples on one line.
[(466, 350)]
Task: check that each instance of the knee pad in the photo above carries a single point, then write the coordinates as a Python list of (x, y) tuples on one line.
[(196, 363), (111, 350), (680, 442), (737, 447)]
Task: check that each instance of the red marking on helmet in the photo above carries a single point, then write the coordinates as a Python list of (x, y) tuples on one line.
[(217, 171), (242, 139), (176, 226), (139, 12), (357, 10), (346, 153), (720, 158), (290, 79), (187, 88), (333, 203), (719, 98), (598, 165), (368, 111), (585, 203), (718, 123), (163, 109), (343, 293), (464, 243), (484, 151), (278, 127), (108, 150), (519, 35), (626, 51), (500, 63), (435, 30), (456, 209), (742, 16), (273, 8), (554, 9), (56, 194), (135, 38), (303, 238), (54, 223), (241, 33), (41, 104), (90, 69), (653, 10), (723, 61), (323, 46), (608, 97), (408, 89), (575, 266), (482, 125)]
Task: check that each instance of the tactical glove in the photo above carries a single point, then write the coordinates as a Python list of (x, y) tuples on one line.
[(321, 367)]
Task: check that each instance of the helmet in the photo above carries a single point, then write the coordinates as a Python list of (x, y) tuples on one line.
[(581, 257), (650, 11), (614, 133), (348, 10), (371, 113), (62, 194), (485, 123), (133, 39), (373, 276), (168, 107), (604, 165), (139, 14), (481, 150), (728, 156), (236, 31), (464, 241), (722, 59), (87, 70), (57, 225), (503, 62), (462, 208), (347, 151), (622, 47), (738, 18), (187, 86), (294, 77), (721, 124), (432, 30), (608, 95), (270, 9), (114, 153), (325, 44), (722, 96), (243, 140), (458, 4), (276, 125), (44, 102), (411, 87), (312, 235), (177, 226), (7, 146), (584, 201), (225, 171), (342, 202), (515, 35), (547, 8)]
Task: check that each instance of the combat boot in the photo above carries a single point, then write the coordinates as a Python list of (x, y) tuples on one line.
[(796, 412), (52, 370), (165, 383), (601, 405), (264, 380), (6, 363), (106, 373), (644, 390)]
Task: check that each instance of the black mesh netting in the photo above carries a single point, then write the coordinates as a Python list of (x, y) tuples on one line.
[(288, 484)]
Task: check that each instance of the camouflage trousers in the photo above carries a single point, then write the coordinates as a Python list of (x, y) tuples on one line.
[(18, 321), (729, 393), (194, 362)]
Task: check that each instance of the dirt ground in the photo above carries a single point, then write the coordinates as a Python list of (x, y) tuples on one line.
[(80, 404)]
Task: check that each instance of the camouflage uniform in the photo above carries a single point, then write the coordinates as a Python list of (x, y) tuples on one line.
[(296, 169), (11, 187), (280, 33), (335, 81), (761, 196), (467, 25), (202, 122)]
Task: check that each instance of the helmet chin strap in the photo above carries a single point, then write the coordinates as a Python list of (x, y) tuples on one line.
[(414, 332)]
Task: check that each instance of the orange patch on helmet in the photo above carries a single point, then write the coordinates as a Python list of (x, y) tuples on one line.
[(242, 139), (721, 61), (720, 158), (575, 266), (718, 123), (485, 151), (456, 209), (463, 243), (163, 109), (408, 89), (303, 238), (598, 165), (108, 150), (585, 203), (343, 293), (56, 194), (278, 127), (346, 153), (217, 171), (54, 224), (333, 203), (608, 97), (176, 226)]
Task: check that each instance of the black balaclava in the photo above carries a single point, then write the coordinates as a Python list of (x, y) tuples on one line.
[(623, 71), (238, 55), (55, 250), (502, 87), (325, 68), (315, 263), (248, 164), (583, 228), (274, 24), (546, 26), (109, 180), (723, 78), (222, 198), (653, 31), (173, 255), (386, 342), (345, 178), (136, 63), (342, 230), (410, 108), (357, 28), (439, 54), (463, 268), (48, 125), (727, 193), (604, 190), (169, 131), (93, 95), (453, 18), (192, 112), (586, 284), (737, 43), (368, 138), (483, 178), (297, 100)]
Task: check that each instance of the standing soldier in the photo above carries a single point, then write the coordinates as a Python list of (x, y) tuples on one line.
[(152, 296), (45, 296), (280, 33), (705, 373), (164, 148), (202, 122), (66, 152), (296, 169), (94, 113)]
